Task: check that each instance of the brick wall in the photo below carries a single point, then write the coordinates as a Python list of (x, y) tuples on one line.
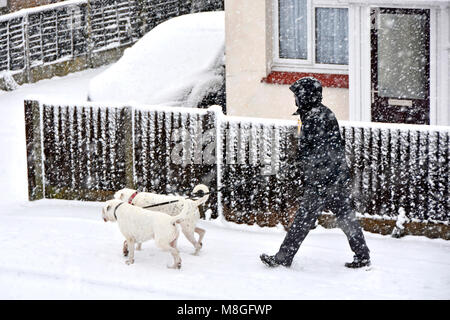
[(15, 5)]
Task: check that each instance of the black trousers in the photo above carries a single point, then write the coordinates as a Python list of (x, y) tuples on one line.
[(313, 202)]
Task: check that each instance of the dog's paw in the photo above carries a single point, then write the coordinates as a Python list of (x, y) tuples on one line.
[(198, 247), (175, 266), (129, 261)]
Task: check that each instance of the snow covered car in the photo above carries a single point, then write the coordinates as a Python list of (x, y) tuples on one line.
[(181, 62)]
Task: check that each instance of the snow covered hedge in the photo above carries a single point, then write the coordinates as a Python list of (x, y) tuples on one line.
[(87, 152)]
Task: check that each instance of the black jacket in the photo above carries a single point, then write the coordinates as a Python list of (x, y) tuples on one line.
[(321, 154)]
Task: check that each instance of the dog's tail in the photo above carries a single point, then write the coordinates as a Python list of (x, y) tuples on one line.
[(179, 218), (201, 188)]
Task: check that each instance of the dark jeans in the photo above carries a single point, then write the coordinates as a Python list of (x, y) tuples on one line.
[(313, 202)]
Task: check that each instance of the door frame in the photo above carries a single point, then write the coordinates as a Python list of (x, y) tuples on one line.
[(360, 63)]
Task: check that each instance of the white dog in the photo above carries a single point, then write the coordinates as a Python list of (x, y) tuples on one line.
[(138, 225), (172, 206)]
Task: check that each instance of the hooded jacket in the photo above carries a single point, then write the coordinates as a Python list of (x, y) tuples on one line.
[(321, 154)]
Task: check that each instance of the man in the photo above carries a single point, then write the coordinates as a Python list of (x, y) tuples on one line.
[(326, 178)]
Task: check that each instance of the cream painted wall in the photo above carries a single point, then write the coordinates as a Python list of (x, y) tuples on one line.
[(248, 36)]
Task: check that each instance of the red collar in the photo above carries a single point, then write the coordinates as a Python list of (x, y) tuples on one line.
[(132, 197)]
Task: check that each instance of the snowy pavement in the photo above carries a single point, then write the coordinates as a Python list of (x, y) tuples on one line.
[(63, 250), (54, 249)]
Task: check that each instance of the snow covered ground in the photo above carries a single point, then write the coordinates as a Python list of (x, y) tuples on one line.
[(63, 250)]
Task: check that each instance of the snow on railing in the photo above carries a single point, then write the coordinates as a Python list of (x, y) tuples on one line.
[(87, 152), (64, 31)]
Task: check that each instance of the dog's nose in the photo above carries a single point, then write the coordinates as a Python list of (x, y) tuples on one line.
[(104, 219)]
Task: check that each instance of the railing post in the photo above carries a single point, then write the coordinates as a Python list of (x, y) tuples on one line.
[(27, 50), (128, 128), (141, 17), (213, 129), (34, 150), (89, 43)]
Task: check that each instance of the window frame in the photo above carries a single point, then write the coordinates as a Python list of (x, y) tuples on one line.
[(309, 64)]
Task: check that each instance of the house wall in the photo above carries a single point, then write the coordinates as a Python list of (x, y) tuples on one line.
[(248, 26), (3, 7), (443, 66)]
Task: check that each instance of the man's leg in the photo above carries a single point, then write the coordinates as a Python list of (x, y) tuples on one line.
[(304, 220), (347, 221)]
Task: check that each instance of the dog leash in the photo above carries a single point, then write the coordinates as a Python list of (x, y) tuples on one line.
[(160, 204), (199, 194)]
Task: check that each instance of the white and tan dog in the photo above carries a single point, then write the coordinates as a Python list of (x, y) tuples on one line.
[(139, 225), (171, 206)]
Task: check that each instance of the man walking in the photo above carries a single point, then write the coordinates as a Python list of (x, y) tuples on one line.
[(326, 178)]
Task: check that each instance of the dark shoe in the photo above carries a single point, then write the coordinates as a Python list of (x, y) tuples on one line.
[(358, 263), (272, 262)]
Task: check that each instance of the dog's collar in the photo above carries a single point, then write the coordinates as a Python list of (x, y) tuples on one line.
[(115, 209), (132, 197)]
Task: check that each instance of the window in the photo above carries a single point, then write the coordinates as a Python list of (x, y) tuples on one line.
[(310, 37), (293, 38), (332, 35)]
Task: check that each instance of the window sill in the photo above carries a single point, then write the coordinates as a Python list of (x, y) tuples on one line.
[(327, 79)]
